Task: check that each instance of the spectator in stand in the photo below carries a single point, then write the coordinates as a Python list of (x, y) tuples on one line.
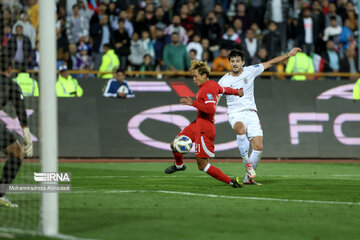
[(352, 16), (176, 27), (75, 25), (221, 63), (28, 29), (250, 46), (205, 57), (161, 17), (272, 41), (205, 43), (72, 61), (238, 28), (112, 12), (149, 14), (19, 49), (195, 45), (109, 62), (278, 12), (128, 25), (220, 16), (5, 37), (84, 61), (333, 31), (101, 34), (213, 32), (62, 51), (175, 54), (5, 20), (257, 32), (256, 12), (148, 43), (341, 9), (241, 14), (230, 39), (332, 13), (97, 15), (84, 10), (346, 35), (306, 32), (198, 24), (83, 41), (66, 86), (115, 86), (122, 43), (186, 20), (261, 56), (137, 52), (147, 66), (159, 45), (319, 22), (349, 63), (192, 54), (331, 57), (139, 22)]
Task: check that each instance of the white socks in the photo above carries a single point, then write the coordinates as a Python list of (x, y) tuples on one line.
[(255, 157), (243, 145)]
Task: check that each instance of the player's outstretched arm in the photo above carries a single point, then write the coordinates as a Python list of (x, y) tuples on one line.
[(276, 60), (208, 107), (232, 91)]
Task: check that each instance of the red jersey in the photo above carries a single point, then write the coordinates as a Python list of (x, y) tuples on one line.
[(207, 98)]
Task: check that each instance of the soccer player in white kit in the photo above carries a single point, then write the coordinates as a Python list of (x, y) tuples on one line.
[(242, 112)]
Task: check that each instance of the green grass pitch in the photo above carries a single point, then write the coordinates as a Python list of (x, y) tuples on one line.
[(139, 201)]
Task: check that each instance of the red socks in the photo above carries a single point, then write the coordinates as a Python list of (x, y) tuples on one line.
[(218, 174), (178, 158)]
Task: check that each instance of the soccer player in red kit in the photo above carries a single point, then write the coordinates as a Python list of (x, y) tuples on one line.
[(202, 130)]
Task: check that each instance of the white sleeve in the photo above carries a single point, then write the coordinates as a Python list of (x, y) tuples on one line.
[(256, 70), (107, 93)]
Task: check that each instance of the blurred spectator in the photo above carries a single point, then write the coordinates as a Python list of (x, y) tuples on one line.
[(72, 61), (250, 46), (351, 15), (186, 20), (176, 27), (212, 29), (149, 14), (127, 24), (306, 32), (238, 28), (147, 43), (195, 45), (198, 24), (230, 39), (205, 57), (256, 12), (28, 29), (319, 21), (137, 52), (147, 66), (206, 6), (300, 63), (28, 85), (261, 56), (325, 6), (101, 34), (62, 51), (349, 63), (175, 54), (66, 86), (99, 12), (277, 11), (161, 17), (220, 16), (205, 43), (272, 41), (36, 55), (84, 61), (19, 48), (332, 13), (139, 22), (33, 11), (159, 45), (5, 37), (242, 15), (341, 9), (111, 11), (5, 20), (257, 32), (221, 63), (109, 62), (331, 57), (333, 31), (75, 25), (84, 10), (122, 43), (346, 35), (118, 87), (192, 54)]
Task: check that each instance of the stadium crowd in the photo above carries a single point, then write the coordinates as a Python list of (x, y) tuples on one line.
[(167, 34)]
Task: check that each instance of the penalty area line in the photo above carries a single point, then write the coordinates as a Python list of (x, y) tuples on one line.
[(225, 196)]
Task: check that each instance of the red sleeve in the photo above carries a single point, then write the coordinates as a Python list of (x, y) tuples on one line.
[(205, 107), (230, 91)]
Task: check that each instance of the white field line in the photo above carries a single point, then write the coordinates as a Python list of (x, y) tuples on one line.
[(221, 196), (34, 233)]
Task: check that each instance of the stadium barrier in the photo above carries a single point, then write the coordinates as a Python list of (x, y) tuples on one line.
[(310, 119)]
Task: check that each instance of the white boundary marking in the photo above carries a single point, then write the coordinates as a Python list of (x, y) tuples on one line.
[(34, 233), (223, 196)]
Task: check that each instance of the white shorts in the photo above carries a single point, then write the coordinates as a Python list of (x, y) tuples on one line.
[(250, 120)]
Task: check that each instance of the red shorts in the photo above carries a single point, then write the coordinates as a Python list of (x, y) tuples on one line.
[(202, 134)]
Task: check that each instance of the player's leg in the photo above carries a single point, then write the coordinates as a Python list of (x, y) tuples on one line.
[(179, 162), (204, 147)]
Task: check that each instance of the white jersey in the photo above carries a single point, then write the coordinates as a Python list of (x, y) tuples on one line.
[(245, 81)]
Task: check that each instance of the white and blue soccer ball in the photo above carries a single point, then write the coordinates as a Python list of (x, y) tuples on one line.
[(123, 89), (183, 144)]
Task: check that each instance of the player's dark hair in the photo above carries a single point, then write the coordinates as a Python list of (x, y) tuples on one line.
[(5, 62), (237, 53), (120, 70)]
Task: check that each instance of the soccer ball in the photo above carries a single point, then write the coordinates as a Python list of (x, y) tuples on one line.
[(123, 89), (183, 144)]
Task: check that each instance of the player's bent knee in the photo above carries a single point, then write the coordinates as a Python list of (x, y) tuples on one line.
[(258, 147), (239, 128)]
